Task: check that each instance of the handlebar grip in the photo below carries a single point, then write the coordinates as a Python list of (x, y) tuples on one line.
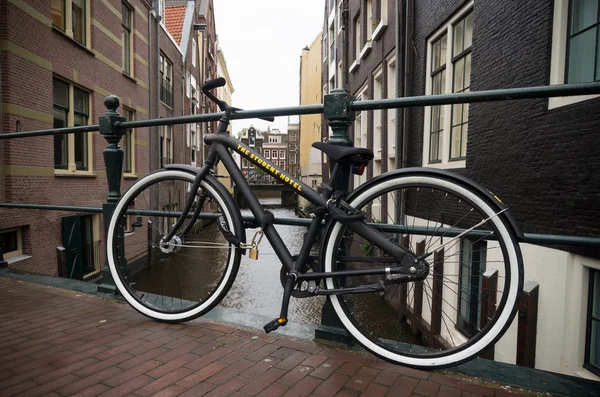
[(214, 83)]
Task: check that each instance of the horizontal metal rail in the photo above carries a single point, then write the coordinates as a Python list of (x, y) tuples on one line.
[(530, 238), (424, 100)]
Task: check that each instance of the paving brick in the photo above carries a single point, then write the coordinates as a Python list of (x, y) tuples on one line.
[(60, 372), (165, 381), (362, 378), (229, 372), (273, 390), (331, 385), (314, 360), (170, 391), (327, 368), (261, 382), (350, 367), (446, 391), (386, 378), (293, 360), (405, 371), (462, 385), (300, 346), (172, 365), (427, 388), (283, 353), (208, 358), (127, 388), (85, 383), (263, 352), (349, 393), (99, 366), (177, 352), (304, 387), (403, 387), (469, 394), (131, 373), (228, 388), (295, 375), (18, 388), (199, 390), (12, 379), (50, 386), (257, 335), (260, 367), (375, 390), (201, 374), (135, 361)]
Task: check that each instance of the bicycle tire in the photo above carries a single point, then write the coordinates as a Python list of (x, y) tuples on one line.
[(189, 277), (404, 338)]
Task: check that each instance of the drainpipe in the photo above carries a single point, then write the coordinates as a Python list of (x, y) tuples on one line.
[(156, 133), (2, 177), (402, 145), (150, 63)]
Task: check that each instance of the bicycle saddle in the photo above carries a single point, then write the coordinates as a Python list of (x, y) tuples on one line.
[(343, 154)]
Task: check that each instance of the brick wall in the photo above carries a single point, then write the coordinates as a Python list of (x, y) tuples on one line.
[(29, 85)]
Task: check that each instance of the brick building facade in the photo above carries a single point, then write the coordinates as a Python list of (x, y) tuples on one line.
[(58, 63)]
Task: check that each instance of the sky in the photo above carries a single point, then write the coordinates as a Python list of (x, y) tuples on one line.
[(262, 41)]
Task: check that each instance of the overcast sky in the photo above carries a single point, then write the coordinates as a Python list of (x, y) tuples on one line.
[(262, 41)]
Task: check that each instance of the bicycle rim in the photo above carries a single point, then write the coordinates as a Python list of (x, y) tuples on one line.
[(191, 274), (466, 301)]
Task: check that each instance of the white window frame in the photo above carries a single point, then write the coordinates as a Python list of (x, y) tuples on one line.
[(447, 109), (360, 136), (558, 58), (282, 155), (194, 51), (267, 154), (377, 114)]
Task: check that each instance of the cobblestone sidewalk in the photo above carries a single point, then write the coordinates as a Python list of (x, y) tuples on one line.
[(56, 342)]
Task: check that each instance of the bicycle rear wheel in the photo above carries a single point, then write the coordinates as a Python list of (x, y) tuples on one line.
[(188, 276), (467, 297)]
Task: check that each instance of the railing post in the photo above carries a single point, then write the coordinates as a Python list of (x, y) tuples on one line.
[(336, 110), (113, 161)]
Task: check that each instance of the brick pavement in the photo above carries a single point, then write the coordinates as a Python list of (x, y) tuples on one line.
[(56, 342)]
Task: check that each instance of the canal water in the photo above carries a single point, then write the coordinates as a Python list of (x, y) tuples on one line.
[(257, 288)]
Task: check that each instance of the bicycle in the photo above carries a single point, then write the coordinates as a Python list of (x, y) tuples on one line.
[(398, 236)]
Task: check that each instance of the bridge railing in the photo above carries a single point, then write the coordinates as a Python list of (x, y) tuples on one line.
[(338, 108)]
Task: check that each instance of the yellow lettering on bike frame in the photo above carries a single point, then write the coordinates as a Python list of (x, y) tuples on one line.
[(262, 163)]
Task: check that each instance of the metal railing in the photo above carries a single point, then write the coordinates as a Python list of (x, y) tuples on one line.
[(338, 108)]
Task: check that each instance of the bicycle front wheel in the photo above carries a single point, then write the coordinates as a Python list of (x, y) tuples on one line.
[(465, 299), (187, 276)]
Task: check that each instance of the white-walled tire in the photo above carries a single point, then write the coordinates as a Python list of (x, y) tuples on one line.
[(448, 317), (187, 277)]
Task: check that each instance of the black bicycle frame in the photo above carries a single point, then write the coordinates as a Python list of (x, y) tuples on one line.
[(220, 142)]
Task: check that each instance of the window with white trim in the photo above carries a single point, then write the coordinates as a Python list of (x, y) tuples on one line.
[(448, 70), (282, 154), (194, 51), (127, 37), (71, 18), (71, 109), (575, 46)]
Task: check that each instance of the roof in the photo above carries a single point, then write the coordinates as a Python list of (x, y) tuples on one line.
[(174, 17)]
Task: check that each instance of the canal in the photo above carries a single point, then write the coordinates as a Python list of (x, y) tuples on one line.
[(257, 288)]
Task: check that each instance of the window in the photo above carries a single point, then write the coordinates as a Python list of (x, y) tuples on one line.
[(472, 264), (166, 81), (126, 37), (128, 144), (10, 243), (360, 131), (448, 70), (357, 38), (575, 46), (282, 154), (267, 154), (71, 109), (244, 163), (583, 39), (282, 165), (592, 340), (166, 144), (370, 21), (194, 51), (75, 26), (274, 154)]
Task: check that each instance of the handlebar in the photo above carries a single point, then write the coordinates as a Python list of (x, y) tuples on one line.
[(220, 82)]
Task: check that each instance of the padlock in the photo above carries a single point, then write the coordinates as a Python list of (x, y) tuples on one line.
[(253, 253)]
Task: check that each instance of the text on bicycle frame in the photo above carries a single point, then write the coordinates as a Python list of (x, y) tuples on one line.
[(267, 167)]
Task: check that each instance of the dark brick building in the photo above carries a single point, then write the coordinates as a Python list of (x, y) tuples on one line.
[(541, 156)]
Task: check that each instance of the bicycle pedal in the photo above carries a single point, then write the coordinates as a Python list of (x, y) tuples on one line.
[(273, 325)]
